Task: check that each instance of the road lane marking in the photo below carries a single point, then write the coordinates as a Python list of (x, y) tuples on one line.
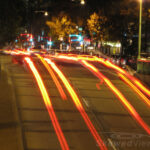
[(86, 103), (111, 143)]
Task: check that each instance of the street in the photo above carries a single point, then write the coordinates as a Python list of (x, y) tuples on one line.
[(98, 111), (75, 75)]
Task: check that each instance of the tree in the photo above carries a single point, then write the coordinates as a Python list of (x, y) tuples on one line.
[(123, 23), (61, 27), (96, 27)]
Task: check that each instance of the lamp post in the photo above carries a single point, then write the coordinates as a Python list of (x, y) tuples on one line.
[(140, 30)]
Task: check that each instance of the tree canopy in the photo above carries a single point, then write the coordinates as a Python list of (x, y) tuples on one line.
[(96, 26), (61, 26)]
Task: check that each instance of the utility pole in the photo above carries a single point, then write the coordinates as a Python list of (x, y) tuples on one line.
[(140, 30)]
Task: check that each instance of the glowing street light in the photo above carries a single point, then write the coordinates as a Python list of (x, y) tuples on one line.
[(82, 2), (140, 30), (46, 13)]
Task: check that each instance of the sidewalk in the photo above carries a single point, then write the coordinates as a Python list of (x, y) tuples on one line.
[(9, 123)]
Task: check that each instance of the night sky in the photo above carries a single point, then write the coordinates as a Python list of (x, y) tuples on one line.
[(74, 8)]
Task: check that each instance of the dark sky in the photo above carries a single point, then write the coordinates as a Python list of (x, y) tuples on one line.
[(75, 8)]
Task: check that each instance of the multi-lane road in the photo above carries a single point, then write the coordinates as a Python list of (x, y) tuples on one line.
[(77, 103)]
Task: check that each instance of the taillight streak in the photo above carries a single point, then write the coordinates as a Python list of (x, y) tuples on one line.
[(120, 96), (78, 105), (140, 86), (111, 65), (48, 105), (144, 98), (133, 79), (57, 83), (67, 58)]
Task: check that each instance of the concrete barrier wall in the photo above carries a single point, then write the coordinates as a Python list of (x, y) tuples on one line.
[(143, 67)]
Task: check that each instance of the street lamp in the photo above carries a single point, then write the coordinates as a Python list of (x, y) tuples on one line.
[(46, 13), (82, 2), (140, 30)]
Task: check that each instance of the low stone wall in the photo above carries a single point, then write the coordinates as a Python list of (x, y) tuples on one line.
[(143, 66)]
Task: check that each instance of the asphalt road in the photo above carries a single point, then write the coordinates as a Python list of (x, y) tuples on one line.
[(113, 119), (117, 128)]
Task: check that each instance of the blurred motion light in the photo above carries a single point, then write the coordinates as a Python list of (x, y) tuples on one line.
[(78, 104), (48, 104), (120, 96)]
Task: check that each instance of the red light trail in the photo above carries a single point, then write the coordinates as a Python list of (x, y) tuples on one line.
[(48, 104), (133, 79), (145, 99), (110, 65), (58, 85), (78, 105), (120, 96)]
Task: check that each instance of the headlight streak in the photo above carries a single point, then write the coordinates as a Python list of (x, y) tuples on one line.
[(144, 98), (48, 104), (120, 96), (58, 85), (78, 105)]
